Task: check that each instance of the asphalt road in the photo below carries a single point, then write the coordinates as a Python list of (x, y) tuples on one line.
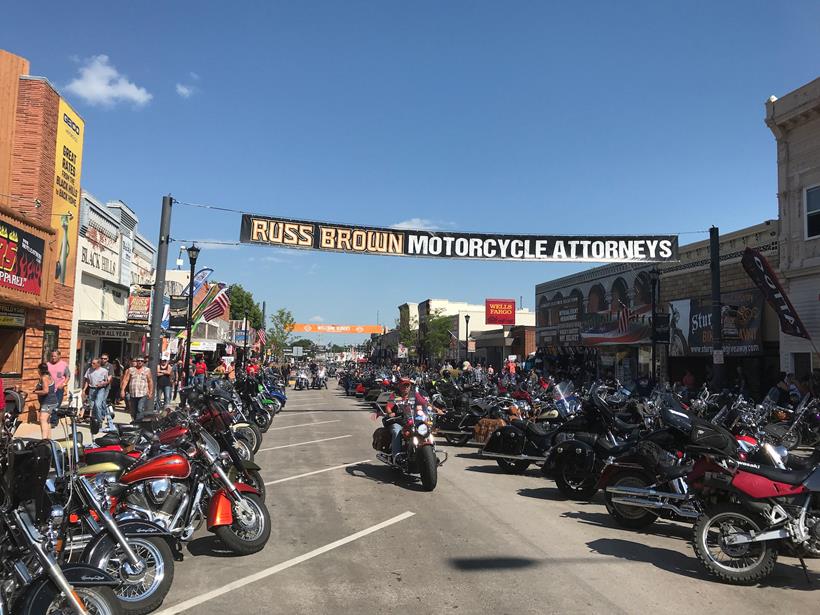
[(360, 539)]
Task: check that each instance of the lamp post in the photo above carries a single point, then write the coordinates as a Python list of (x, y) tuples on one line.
[(467, 337), (193, 254), (654, 279)]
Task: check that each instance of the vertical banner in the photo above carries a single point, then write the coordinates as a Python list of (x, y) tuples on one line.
[(66, 209)]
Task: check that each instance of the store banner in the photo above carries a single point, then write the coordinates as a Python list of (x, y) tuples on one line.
[(126, 259), (321, 328), (12, 316), (139, 305), (178, 312), (741, 320), (764, 277), (68, 162), (21, 260), (499, 311), (310, 235)]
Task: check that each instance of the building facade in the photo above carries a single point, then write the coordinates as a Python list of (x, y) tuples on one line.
[(41, 143), (794, 120)]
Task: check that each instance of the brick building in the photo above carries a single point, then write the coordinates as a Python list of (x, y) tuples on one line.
[(40, 164)]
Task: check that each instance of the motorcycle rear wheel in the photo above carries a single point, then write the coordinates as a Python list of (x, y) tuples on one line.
[(631, 517), (739, 564), (573, 486), (456, 440), (780, 432), (513, 467), (43, 597), (428, 467), (245, 537)]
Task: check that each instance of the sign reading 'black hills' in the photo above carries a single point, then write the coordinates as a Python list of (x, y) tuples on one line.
[(308, 235)]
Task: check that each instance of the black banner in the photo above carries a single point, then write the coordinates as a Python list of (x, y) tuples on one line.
[(766, 280), (178, 312), (288, 233)]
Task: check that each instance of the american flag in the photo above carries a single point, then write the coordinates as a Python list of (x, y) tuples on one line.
[(623, 319), (219, 306), (261, 336)]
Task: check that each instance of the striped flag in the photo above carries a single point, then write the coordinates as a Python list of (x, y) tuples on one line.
[(261, 336), (623, 319), (219, 306)]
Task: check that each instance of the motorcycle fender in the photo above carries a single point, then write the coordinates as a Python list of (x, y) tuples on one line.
[(131, 528), (250, 465), (611, 472), (220, 510), (83, 575)]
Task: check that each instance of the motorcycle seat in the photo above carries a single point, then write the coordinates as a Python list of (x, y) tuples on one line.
[(122, 460), (789, 477), (625, 427), (534, 429)]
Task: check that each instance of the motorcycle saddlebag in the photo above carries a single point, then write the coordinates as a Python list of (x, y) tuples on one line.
[(485, 427), (381, 440), (449, 421), (508, 440), (712, 436)]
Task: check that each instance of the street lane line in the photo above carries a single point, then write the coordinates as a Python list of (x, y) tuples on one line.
[(276, 448), (344, 465), (305, 425), (263, 574)]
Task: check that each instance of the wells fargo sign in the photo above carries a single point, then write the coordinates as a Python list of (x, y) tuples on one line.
[(21, 260), (321, 328), (288, 233), (499, 311)]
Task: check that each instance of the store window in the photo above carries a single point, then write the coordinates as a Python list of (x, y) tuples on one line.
[(51, 340), (11, 352), (813, 212)]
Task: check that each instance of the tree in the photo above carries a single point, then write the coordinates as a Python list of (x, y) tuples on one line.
[(280, 331), (243, 305), (409, 333), (438, 335)]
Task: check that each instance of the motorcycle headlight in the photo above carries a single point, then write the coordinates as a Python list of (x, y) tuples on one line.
[(422, 429)]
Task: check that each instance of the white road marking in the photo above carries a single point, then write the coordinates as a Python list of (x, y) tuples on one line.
[(263, 574), (305, 424), (276, 448), (344, 465)]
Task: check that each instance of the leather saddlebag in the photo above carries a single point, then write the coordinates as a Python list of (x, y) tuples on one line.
[(485, 427), (381, 440), (508, 440)]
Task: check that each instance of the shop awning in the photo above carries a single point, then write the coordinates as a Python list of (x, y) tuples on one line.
[(112, 329)]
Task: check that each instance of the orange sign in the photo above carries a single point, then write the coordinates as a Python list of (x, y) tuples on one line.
[(322, 328), (499, 311)]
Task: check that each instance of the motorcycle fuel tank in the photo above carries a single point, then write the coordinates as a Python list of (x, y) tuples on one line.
[(170, 435), (171, 465)]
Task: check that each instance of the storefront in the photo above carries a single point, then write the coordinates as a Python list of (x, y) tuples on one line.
[(119, 341)]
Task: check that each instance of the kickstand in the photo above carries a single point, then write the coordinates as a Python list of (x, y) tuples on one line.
[(805, 570)]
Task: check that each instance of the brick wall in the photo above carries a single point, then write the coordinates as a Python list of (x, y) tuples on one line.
[(32, 177)]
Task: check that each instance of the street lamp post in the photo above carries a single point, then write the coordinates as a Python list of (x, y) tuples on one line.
[(654, 279), (193, 254), (467, 337)]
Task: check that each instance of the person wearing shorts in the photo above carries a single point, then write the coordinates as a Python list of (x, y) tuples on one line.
[(47, 392)]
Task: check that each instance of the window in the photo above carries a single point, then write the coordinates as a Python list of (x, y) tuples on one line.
[(11, 352), (813, 212), (51, 340)]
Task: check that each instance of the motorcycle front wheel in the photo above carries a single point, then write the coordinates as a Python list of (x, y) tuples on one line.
[(632, 517), (513, 467), (457, 440), (251, 478), (144, 591), (44, 598), (249, 532), (743, 564), (261, 419), (428, 467), (574, 483), (251, 434), (780, 432)]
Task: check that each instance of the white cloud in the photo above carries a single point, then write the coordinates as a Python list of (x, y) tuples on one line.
[(316, 318), (420, 224), (100, 83), (184, 90)]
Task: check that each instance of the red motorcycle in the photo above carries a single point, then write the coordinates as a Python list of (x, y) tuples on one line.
[(186, 486), (750, 510)]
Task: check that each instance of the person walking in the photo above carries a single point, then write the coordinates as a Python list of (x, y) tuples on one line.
[(106, 364), (46, 391), (59, 372), (96, 382), (140, 386), (164, 383), (116, 379), (200, 369), (178, 375)]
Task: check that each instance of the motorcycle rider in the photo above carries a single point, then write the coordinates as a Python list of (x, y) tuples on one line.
[(398, 405)]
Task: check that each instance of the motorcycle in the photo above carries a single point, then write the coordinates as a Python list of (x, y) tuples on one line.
[(804, 428)]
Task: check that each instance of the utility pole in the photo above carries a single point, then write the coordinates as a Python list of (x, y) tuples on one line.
[(717, 326), (155, 348), (265, 329)]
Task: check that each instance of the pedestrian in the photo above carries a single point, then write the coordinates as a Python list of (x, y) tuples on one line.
[(46, 391), (200, 369), (688, 381), (106, 364), (59, 372), (116, 378), (779, 393), (178, 375), (164, 383), (220, 369), (95, 383), (140, 386)]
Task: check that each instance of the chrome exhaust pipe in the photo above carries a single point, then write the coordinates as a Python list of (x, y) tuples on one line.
[(650, 493), (513, 457)]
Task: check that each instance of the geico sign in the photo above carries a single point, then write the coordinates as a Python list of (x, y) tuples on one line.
[(71, 124)]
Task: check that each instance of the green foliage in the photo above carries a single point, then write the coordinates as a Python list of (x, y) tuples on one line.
[(437, 338), (409, 334), (280, 332), (243, 306)]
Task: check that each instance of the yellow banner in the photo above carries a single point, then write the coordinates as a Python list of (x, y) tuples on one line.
[(66, 211)]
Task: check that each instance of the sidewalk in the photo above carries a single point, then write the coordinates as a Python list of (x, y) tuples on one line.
[(32, 430)]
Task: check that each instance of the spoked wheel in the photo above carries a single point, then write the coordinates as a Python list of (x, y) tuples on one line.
[(141, 591), (251, 434), (261, 419), (249, 477), (245, 451), (250, 529), (780, 432), (633, 517), (739, 564), (43, 597)]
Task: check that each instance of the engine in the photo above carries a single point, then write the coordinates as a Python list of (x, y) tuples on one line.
[(157, 499)]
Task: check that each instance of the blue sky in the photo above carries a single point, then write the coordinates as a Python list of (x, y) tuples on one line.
[(595, 117)]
